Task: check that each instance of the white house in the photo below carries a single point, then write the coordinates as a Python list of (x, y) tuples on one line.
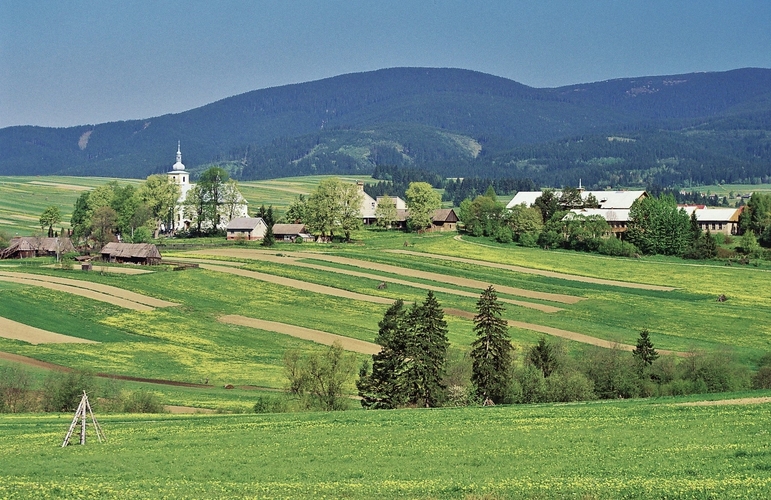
[(607, 199), (179, 176), (246, 228)]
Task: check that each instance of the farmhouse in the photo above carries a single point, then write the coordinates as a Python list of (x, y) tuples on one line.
[(290, 232), (179, 176), (716, 220), (618, 219), (22, 247), (369, 204), (246, 228), (131, 253)]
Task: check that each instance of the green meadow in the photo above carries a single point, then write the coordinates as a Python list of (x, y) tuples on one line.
[(645, 449)]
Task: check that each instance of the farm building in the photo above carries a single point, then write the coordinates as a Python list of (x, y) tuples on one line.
[(22, 247), (290, 232), (608, 200), (131, 253), (717, 220), (444, 219), (618, 219), (246, 228)]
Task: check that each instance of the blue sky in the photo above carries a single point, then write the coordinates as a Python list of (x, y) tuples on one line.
[(85, 62)]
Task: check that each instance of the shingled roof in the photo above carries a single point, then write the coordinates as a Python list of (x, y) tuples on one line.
[(38, 245), (131, 251)]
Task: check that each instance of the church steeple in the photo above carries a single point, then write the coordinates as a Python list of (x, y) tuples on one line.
[(178, 166)]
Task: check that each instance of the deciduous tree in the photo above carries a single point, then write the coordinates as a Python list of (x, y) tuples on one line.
[(50, 217), (422, 200)]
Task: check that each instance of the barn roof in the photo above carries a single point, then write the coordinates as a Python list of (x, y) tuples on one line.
[(131, 250), (244, 223), (606, 199), (37, 244), (288, 228)]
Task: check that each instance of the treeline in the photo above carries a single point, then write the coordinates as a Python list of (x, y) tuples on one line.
[(395, 181), (61, 392), (457, 190)]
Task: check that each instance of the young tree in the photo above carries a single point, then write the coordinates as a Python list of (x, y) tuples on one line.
[(195, 207), (160, 195), (543, 357), (380, 389), (333, 206), (102, 224), (321, 377), (80, 220), (50, 217), (211, 185), (644, 353), (426, 352), (422, 200), (350, 209), (491, 351), (296, 213), (231, 199), (385, 212)]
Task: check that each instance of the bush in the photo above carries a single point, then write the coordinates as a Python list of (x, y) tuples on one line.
[(271, 404), (504, 235), (529, 240), (762, 379), (568, 387), (299, 239), (617, 248), (613, 371), (62, 392), (15, 390), (715, 372), (529, 386), (142, 401)]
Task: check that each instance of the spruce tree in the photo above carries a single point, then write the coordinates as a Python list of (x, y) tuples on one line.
[(426, 353), (644, 352), (491, 351), (380, 389)]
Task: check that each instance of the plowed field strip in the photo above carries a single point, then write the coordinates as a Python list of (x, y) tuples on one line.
[(19, 331), (539, 272), (302, 285), (288, 260), (721, 402), (83, 292), (556, 332), (113, 291), (318, 336), (387, 268)]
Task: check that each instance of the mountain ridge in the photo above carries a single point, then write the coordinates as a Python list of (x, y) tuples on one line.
[(350, 123)]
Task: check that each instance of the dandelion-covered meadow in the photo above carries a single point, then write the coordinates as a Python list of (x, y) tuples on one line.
[(652, 449)]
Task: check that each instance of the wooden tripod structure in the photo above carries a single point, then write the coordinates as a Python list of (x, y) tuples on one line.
[(80, 414)]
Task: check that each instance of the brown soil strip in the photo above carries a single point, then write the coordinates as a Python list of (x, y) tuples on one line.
[(186, 409), (289, 260), (72, 187), (721, 402), (556, 332), (387, 268), (18, 331), (105, 290), (539, 272), (79, 291), (209, 261), (302, 285), (24, 360), (300, 332)]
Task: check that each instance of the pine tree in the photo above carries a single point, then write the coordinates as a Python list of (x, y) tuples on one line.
[(543, 357), (491, 351), (644, 352), (380, 389), (426, 352)]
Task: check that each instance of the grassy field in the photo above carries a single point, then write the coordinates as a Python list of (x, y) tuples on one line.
[(648, 449)]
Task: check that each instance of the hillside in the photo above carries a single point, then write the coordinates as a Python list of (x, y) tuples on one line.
[(669, 130)]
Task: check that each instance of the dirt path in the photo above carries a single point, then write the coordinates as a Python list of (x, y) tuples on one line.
[(19, 331), (539, 272), (113, 270), (104, 293), (318, 336), (556, 332), (721, 402), (302, 285), (292, 261), (187, 409), (387, 268)]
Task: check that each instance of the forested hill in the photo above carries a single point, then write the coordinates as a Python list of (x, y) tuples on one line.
[(668, 130)]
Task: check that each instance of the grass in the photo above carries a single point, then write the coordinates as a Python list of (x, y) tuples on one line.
[(639, 449)]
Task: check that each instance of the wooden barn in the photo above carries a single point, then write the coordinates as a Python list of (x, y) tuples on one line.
[(246, 228), (131, 253), (290, 232), (22, 247), (443, 219)]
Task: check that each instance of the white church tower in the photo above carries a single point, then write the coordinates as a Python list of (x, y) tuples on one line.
[(182, 179)]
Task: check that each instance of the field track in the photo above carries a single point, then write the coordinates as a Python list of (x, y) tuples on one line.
[(19, 331), (318, 336), (96, 291), (111, 269), (289, 260), (387, 268), (539, 272)]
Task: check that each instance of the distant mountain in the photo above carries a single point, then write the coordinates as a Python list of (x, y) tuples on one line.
[(667, 130)]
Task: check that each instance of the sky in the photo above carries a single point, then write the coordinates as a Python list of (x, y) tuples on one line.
[(87, 62)]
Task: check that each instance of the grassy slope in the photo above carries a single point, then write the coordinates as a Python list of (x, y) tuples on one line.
[(630, 450)]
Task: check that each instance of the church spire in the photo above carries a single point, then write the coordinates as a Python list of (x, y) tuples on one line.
[(179, 165)]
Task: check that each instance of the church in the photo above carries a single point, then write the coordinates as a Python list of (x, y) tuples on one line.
[(180, 177)]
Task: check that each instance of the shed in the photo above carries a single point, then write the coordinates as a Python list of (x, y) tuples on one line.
[(246, 228), (131, 253), (22, 247), (290, 232)]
